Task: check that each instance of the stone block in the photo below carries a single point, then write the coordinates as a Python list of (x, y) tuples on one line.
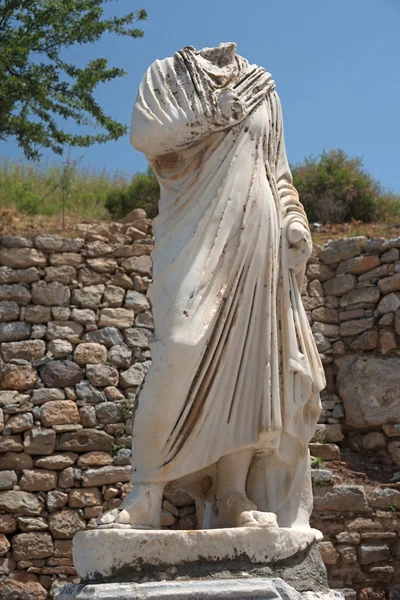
[(7, 480), (85, 440), (356, 326), (89, 296), (39, 441), (56, 243), (65, 274), (340, 498), (68, 330), (22, 258), (365, 294), (59, 412), (133, 376), (38, 480), (50, 294), (94, 459), (9, 311), (328, 433), (372, 553), (56, 462), (18, 377), (102, 264), (325, 451), (22, 503), (390, 284), (141, 265), (11, 443), (8, 524), (60, 374), (340, 285), (374, 440), (342, 249), (20, 422), (26, 350), (90, 353), (369, 390), (122, 318), (359, 264), (102, 375), (87, 497), (106, 475), (14, 331), (37, 314), (64, 524), (16, 460), (15, 293), (46, 395)]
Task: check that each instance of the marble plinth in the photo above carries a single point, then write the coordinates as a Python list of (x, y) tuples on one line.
[(233, 589), (124, 555)]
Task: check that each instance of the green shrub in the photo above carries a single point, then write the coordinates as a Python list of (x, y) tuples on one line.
[(335, 188), (142, 192)]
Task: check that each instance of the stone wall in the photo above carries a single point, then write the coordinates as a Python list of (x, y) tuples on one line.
[(352, 298), (74, 330)]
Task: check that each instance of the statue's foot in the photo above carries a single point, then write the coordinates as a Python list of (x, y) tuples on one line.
[(236, 510), (140, 509)]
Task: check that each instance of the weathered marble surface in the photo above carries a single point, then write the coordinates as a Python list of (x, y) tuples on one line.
[(117, 555), (235, 589)]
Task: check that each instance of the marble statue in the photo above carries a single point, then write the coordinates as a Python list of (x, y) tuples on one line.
[(231, 400)]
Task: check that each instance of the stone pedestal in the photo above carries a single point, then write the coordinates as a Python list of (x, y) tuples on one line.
[(233, 589), (245, 563)]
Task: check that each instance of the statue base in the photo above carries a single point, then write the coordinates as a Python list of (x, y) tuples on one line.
[(238, 563), (232, 589), (137, 555)]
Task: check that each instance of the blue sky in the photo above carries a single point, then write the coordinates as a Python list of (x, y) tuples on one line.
[(336, 64)]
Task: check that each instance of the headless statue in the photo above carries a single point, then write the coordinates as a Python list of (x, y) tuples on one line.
[(231, 399)]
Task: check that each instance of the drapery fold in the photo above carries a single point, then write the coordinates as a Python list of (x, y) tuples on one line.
[(234, 361)]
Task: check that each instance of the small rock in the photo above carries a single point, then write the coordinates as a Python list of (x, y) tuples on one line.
[(89, 296), (87, 497), (94, 459), (27, 524), (20, 422), (50, 294), (23, 503), (106, 475), (85, 440), (342, 249), (102, 375), (116, 317), (90, 353), (68, 330), (37, 314), (60, 374), (14, 331), (340, 498), (59, 348), (109, 336), (39, 441), (18, 377), (56, 462), (7, 480), (374, 440), (38, 480), (64, 524), (22, 258), (373, 553), (59, 412)]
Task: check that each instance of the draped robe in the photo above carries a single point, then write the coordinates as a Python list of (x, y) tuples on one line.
[(234, 363)]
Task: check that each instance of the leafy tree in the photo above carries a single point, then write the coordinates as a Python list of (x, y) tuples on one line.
[(142, 192), (335, 188), (38, 86)]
